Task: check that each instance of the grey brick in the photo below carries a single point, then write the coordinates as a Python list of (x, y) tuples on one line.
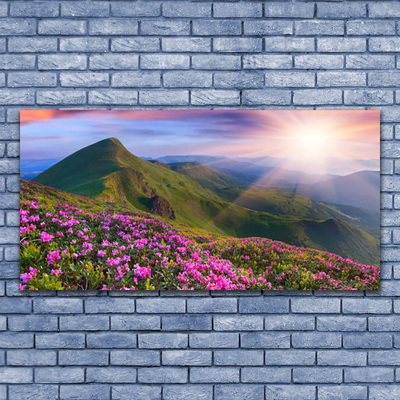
[(60, 341), (84, 322), (32, 323), (85, 392), (346, 10), (366, 306), (341, 45), (261, 340), (186, 357), (113, 27), (342, 78), (59, 375), (163, 340), (217, 27), (345, 392), (267, 61), (83, 79), (342, 358), (194, 45), (214, 375), (386, 323), (382, 392), (135, 44), (317, 375), (384, 78), (268, 27), (3, 9), (237, 45), (387, 44), (365, 27), (287, 10), (314, 97), (289, 79), (290, 357), (341, 323), (34, 79), (83, 357), (111, 340), (16, 375), (7, 166), (270, 97), (17, 305), (285, 45), (384, 10), (215, 62), (179, 392), (135, 9), (237, 10), (318, 27), (187, 323), (113, 61), (136, 392), (384, 357), (289, 392), (31, 357), (105, 305), (212, 305), (263, 305), (261, 375), (32, 45), (165, 28), (33, 392), (17, 61), (241, 323), (57, 306), (322, 306), (181, 9), (319, 340), (239, 392), (61, 97), (368, 374), (16, 340), (109, 96), (367, 341), (154, 98), (162, 375), (135, 357), (34, 9), (89, 45), (238, 357), (289, 323), (164, 61), (214, 340), (61, 61), (186, 79), (3, 322), (61, 27), (319, 61), (370, 61), (111, 375), (214, 97), (368, 97), (17, 26), (135, 322), (85, 9), (138, 79)]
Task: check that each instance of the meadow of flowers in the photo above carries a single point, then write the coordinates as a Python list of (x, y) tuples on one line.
[(73, 243)]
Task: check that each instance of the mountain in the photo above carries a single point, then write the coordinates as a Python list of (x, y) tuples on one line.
[(281, 202), (108, 172), (360, 189)]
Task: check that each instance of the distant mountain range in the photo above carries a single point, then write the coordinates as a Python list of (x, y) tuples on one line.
[(197, 194)]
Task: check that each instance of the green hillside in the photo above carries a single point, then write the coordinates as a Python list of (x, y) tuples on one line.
[(107, 171)]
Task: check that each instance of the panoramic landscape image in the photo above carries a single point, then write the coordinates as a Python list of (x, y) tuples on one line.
[(200, 200)]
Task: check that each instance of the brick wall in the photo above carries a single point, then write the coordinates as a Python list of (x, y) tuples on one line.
[(244, 54)]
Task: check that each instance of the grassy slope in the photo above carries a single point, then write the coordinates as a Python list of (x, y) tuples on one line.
[(108, 172)]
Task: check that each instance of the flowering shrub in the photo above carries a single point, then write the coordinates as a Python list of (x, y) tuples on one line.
[(72, 242)]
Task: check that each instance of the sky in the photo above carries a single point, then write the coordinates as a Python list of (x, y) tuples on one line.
[(304, 139)]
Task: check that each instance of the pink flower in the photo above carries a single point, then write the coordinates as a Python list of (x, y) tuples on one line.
[(101, 253), (46, 237), (53, 257)]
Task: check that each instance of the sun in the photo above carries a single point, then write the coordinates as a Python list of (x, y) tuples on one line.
[(307, 141)]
